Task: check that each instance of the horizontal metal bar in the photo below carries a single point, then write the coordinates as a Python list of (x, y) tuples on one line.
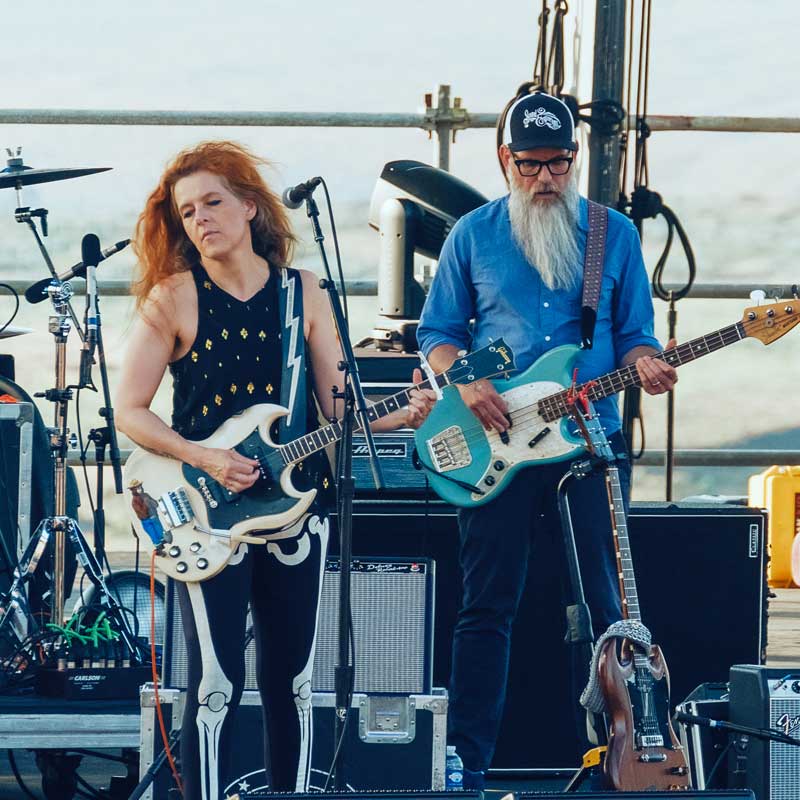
[(651, 458), (274, 119), (457, 118), (736, 291), (722, 124), (369, 288), (123, 288), (722, 458)]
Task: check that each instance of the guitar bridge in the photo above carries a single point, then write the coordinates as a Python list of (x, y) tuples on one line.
[(449, 450), (175, 507)]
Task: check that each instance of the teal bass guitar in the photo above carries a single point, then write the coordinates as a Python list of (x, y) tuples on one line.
[(469, 466)]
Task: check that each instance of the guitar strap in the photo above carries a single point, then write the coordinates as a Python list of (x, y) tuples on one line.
[(593, 271), (293, 352)]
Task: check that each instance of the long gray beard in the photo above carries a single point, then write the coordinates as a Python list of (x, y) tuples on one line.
[(548, 234)]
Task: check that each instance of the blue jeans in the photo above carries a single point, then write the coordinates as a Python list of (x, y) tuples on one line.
[(495, 543)]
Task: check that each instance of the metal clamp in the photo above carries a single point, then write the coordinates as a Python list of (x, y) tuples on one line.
[(425, 366), (387, 719)]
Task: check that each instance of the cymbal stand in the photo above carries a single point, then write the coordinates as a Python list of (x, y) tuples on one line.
[(60, 525), (59, 326), (27, 215)]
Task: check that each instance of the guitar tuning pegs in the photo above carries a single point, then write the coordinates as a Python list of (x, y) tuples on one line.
[(758, 296)]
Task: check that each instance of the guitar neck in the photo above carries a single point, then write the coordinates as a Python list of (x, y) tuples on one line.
[(555, 406), (619, 527), (295, 451)]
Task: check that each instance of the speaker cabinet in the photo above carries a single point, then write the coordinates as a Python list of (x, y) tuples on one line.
[(737, 794), (767, 698), (701, 576), (392, 612)]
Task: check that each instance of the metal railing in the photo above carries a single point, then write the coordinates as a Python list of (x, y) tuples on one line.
[(651, 458), (369, 288), (441, 119)]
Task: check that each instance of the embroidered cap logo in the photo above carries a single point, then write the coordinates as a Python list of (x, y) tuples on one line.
[(541, 118)]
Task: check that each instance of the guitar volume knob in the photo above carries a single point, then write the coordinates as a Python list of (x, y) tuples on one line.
[(195, 547), (181, 567), (174, 551), (202, 563)]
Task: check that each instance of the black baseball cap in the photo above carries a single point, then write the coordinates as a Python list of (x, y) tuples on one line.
[(539, 120)]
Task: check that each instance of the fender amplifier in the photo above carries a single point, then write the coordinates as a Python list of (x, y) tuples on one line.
[(767, 697), (392, 609)]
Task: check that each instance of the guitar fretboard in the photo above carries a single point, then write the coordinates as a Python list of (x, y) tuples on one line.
[(627, 579), (555, 406), (303, 447)]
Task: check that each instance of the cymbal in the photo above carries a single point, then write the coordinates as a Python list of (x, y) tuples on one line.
[(14, 330), (20, 175)]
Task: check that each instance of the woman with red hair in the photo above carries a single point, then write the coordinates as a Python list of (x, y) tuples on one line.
[(219, 305)]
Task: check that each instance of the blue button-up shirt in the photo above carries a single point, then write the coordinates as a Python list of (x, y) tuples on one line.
[(484, 276)]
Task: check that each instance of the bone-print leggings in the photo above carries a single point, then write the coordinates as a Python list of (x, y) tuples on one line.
[(281, 582)]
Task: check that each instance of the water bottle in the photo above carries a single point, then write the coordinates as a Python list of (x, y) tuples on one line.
[(453, 771)]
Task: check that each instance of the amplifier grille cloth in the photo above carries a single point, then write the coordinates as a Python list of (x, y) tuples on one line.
[(392, 635), (784, 759)]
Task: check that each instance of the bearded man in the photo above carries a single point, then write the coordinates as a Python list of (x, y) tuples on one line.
[(515, 268)]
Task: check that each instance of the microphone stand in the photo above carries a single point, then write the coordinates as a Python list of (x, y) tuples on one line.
[(355, 405), (107, 435), (740, 741)]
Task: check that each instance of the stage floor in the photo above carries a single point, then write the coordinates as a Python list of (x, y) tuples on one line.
[(783, 649)]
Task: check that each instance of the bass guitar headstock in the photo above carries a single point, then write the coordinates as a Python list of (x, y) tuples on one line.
[(590, 428), (770, 322), (491, 361)]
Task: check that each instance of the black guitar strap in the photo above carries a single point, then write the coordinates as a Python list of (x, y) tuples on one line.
[(593, 271)]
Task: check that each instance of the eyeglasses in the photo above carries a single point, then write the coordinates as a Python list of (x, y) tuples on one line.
[(531, 167)]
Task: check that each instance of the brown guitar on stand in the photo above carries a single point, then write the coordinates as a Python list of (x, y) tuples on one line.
[(643, 750)]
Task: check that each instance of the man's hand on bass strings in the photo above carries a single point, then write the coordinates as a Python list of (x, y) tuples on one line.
[(484, 401)]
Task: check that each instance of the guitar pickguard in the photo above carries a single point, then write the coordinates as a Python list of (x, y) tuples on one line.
[(266, 498), (531, 439), (199, 522)]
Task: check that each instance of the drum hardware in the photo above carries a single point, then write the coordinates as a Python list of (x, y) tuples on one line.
[(14, 330), (59, 527)]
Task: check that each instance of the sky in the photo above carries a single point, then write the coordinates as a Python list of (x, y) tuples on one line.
[(735, 193)]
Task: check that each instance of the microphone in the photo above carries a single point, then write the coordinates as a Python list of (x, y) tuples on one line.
[(91, 255), (38, 291), (692, 719), (293, 196)]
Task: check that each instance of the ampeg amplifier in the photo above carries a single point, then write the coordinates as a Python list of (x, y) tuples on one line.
[(395, 450), (392, 611), (767, 697)]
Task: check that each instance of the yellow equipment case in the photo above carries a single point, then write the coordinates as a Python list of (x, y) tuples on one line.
[(778, 490)]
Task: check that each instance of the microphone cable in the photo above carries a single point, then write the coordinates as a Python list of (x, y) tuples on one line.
[(342, 290)]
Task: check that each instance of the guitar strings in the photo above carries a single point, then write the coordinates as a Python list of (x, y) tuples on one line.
[(555, 403)]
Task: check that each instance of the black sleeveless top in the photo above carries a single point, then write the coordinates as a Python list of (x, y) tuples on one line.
[(234, 363)]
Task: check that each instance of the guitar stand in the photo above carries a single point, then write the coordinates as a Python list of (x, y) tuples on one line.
[(579, 619)]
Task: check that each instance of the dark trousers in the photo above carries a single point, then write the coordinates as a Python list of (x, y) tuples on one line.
[(495, 544), (280, 582)]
